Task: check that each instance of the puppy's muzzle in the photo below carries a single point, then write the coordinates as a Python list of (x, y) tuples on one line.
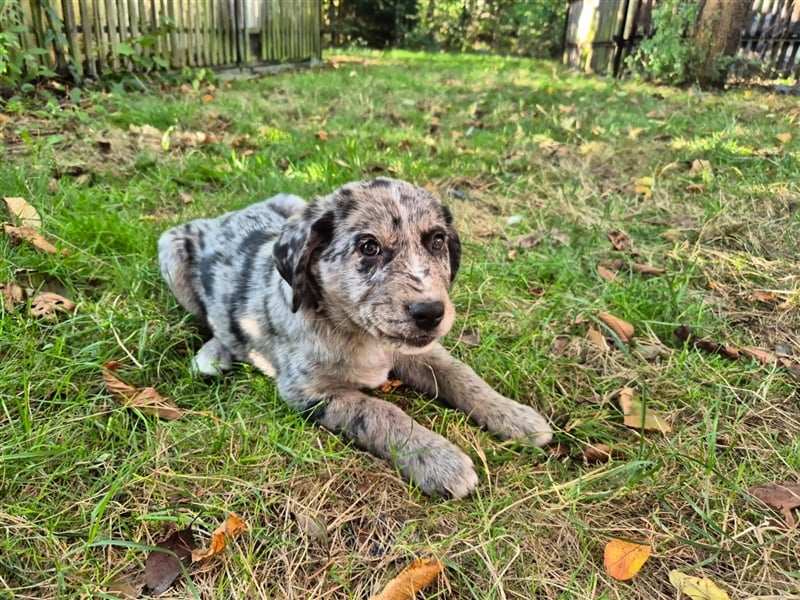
[(426, 315)]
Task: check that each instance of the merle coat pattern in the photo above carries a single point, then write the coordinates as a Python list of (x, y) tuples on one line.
[(330, 296)]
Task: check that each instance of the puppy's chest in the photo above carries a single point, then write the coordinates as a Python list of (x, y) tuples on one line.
[(368, 367)]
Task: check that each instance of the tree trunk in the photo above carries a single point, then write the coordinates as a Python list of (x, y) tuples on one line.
[(718, 34)]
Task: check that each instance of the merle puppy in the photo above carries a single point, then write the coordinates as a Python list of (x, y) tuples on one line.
[(330, 296)]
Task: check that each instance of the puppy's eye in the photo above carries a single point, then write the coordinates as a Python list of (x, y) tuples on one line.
[(370, 248), (437, 242)]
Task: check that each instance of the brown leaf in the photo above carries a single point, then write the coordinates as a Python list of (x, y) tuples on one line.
[(321, 135), (29, 235), (763, 296), (147, 400), (47, 304), (233, 526), (622, 329), (606, 274), (12, 294), (559, 345), (685, 334), (597, 453), (784, 138), (783, 495), (22, 213), (469, 338), (162, 568), (646, 269), (597, 338), (765, 357), (696, 188), (635, 415), (619, 240), (312, 527), (411, 580), (699, 165), (389, 386), (529, 240)]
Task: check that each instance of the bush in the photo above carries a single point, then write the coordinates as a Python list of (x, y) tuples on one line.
[(669, 54)]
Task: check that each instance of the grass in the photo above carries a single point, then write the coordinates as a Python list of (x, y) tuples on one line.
[(86, 484)]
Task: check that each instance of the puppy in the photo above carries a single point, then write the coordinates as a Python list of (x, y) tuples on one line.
[(329, 297)]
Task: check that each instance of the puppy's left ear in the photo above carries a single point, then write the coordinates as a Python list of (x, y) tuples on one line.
[(453, 243), (297, 250)]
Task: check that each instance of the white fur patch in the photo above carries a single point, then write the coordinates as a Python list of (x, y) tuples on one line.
[(260, 362)]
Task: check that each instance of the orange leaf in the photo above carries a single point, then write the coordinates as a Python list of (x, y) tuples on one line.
[(46, 305), (623, 329), (606, 274), (596, 338), (412, 579), (624, 559), (233, 526)]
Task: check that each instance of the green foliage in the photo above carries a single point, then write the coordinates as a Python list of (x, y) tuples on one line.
[(522, 27), (18, 66), (669, 54)]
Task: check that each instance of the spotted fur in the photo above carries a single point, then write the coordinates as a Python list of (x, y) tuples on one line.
[(330, 296)]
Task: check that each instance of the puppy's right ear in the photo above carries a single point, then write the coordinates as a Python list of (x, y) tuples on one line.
[(296, 251)]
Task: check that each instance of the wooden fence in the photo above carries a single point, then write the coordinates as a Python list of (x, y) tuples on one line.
[(93, 37), (600, 34)]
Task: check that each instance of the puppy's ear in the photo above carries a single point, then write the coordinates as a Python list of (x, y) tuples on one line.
[(296, 251), (453, 243)]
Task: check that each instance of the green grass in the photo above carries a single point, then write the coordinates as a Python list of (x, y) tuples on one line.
[(85, 483)]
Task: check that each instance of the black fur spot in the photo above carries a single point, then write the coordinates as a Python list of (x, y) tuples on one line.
[(379, 183)]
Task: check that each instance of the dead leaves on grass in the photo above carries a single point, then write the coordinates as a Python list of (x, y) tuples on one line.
[(179, 551), (416, 576), (25, 226), (147, 400), (783, 495), (623, 559), (697, 588), (637, 416)]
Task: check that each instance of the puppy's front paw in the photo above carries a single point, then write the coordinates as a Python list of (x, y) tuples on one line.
[(440, 469), (212, 359), (511, 420)]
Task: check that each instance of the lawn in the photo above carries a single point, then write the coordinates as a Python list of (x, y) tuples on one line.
[(565, 188)]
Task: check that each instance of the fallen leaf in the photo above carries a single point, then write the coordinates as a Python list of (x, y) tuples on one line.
[(412, 579), (765, 357), (162, 568), (646, 269), (233, 526), (783, 495), (22, 213), (47, 304), (696, 588), (635, 415), (696, 188), (389, 386), (784, 138), (686, 335), (699, 166), (622, 329), (597, 453), (596, 338), (28, 234), (559, 345), (469, 338), (605, 273), (644, 186), (312, 527), (147, 400), (623, 560), (13, 294), (321, 135), (763, 296), (619, 240), (529, 240), (650, 350)]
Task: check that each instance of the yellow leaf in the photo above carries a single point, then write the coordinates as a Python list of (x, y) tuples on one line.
[(635, 415), (696, 588), (644, 186), (784, 138), (624, 559), (412, 579), (22, 213)]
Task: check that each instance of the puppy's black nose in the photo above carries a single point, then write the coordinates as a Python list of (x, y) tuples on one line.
[(427, 315)]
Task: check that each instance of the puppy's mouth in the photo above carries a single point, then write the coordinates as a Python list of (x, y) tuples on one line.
[(415, 341)]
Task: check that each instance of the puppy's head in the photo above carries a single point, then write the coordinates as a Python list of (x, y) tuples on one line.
[(379, 255)]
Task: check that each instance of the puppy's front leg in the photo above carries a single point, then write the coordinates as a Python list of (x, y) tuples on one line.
[(438, 374), (426, 458)]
